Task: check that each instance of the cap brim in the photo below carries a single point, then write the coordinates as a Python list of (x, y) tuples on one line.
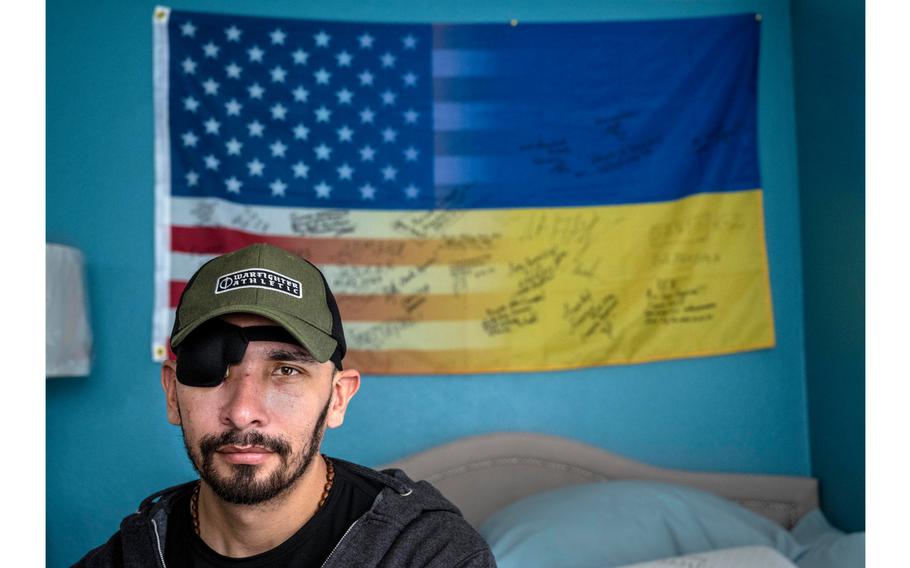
[(320, 344)]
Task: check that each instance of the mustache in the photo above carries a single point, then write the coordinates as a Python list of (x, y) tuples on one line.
[(210, 443)]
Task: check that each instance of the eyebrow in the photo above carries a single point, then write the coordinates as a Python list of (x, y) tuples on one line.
[(296, 355)]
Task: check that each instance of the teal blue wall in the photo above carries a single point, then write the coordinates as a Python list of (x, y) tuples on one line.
[(829, 67), (108, 443)]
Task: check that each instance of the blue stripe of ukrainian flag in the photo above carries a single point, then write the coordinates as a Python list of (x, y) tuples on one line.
[(542, 115)]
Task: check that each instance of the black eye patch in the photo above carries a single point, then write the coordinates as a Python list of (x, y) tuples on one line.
[(204, 357)]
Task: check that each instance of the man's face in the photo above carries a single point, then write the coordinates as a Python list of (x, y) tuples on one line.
[(254, 435)]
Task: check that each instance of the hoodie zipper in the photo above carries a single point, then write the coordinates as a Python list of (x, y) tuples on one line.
[(337, 544), (158, 542)]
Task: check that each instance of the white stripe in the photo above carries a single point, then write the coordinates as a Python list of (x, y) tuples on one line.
[(305, 222), (417, 336), (183, 266), (412, 336), (170, 321), (160, 327), (360, 279), (463, 63)]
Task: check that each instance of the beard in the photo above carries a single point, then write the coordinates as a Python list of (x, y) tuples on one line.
[(241, 486)]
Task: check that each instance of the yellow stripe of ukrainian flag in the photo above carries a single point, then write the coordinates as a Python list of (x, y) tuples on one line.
[(574, 287)]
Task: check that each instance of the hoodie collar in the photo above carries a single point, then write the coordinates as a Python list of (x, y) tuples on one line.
[(395, 479)]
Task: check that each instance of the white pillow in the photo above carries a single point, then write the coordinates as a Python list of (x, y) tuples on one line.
[(744, 557), (622, 522)]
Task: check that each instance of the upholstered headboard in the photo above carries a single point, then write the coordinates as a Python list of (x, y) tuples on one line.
[(482, 474)]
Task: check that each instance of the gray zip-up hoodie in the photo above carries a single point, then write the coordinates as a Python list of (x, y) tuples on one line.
[(409, 525)]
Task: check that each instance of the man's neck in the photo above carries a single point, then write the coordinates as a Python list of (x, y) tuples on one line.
[(239, 531)]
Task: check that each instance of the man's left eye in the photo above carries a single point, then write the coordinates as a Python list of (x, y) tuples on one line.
[(286, 371)]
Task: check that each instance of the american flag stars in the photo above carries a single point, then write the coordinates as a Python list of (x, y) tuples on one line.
[(211, 86), (233, 147), (322, 39), (255, 54), (233, 184), (211, 50), (278, 149), (189, 66), (323, 114), (278, 37), (279, 111), (278, 187), (300, 57), (366, 78), (301, 132), (212, 126), (255, 90), (232, 107), (345, 171), (278, 74), (322, 77), (366, 41), (255, 167), (345, 134), (310, 112), (233, 70), (301, 95), (323, 190), (255, 128), (323, 152), (344, 96), (301, 170), (188, 29), (367, 191), (367, 153), (233, 33)]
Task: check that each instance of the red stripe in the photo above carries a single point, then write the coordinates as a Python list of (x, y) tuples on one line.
[(217, 240), (176, 290), (318, 250), (380, 307)]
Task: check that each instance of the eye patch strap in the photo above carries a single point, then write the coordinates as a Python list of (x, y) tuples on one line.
[(205, 356)]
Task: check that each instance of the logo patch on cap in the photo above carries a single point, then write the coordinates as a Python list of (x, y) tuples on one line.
[(258, 278)]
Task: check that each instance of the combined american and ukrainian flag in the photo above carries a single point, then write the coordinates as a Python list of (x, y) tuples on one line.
[(481, 198)]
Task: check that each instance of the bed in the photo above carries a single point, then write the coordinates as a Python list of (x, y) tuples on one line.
[(547, 501)]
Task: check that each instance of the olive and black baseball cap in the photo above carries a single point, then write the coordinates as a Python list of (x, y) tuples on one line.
[(268, 281)]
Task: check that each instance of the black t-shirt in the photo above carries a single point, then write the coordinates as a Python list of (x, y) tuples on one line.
[(351, 497)]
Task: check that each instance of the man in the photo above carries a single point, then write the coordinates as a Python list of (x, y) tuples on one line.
[(258, 376)]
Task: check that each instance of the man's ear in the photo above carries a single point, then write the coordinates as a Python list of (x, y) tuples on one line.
[(169, 384), (344, 386)]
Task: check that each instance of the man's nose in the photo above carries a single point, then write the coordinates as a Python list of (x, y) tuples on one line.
[(244, 404)]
